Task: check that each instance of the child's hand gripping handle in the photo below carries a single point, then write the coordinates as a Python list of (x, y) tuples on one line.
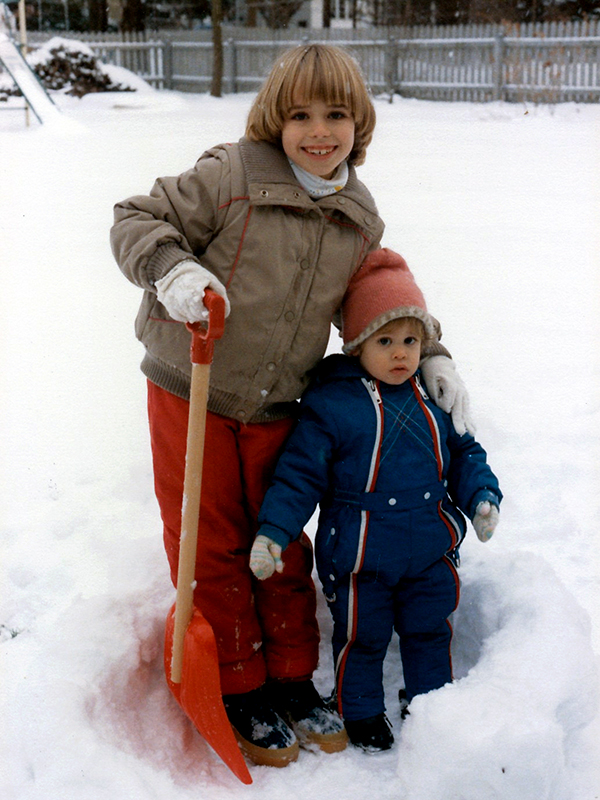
[(203, 338)]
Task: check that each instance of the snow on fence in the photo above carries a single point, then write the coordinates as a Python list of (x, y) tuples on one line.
[(546, 63), (146, 59)]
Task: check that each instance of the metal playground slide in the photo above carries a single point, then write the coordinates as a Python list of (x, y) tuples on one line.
[(11, 58)]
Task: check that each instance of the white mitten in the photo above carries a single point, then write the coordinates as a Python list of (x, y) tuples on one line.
[(181, 291), (265, 557), (485, 520), (448, 391)]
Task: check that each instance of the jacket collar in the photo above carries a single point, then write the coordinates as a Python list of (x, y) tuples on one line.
[(341, 367), (272, 182), (338, 367)]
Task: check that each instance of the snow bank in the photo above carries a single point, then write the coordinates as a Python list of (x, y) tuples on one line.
[(492, 207), (509, 728)]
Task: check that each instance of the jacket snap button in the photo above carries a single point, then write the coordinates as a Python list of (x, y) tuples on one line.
[(341, 200), (264, 193), (392, 501), (332, 531), (289, 315), (427, 495), (241, 414), (369, 220), (332, 577), (304, 264), (271, 366)]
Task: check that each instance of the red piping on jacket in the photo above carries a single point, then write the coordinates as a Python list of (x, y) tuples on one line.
[(239, 250), (457, 584), (435, 434), (374, 393)]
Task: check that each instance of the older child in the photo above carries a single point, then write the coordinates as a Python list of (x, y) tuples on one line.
[(390, 472), (277, 223)]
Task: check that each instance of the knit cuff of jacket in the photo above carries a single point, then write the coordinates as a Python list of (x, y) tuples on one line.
[(278, 535), (480, 497), (164, 259)]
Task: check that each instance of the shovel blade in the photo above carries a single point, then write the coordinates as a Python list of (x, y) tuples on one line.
[(199, 693)]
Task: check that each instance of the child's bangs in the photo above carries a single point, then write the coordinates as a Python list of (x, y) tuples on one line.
[(303, 75), (319, 77)]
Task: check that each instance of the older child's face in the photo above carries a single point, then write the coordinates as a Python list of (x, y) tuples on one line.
[(317, 136), (392, 354)]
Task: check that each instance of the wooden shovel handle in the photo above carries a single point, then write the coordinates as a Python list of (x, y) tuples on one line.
[(201, 356)]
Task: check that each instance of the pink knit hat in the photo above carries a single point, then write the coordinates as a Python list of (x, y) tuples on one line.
[(383, 289)]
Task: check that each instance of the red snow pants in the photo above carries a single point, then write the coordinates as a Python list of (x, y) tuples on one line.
[(262, 628)]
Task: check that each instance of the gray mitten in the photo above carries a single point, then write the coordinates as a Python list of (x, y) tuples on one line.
[(265, 557), (485, 520)]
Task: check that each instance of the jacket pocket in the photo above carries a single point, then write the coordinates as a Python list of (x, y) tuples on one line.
[(336, 544)]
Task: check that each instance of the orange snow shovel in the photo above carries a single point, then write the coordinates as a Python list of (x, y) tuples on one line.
[(191, 662)]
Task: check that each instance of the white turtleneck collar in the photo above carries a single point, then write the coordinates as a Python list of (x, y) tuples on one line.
[(316, 186)]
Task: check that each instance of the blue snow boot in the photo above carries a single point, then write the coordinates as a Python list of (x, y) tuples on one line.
[(373, 735)]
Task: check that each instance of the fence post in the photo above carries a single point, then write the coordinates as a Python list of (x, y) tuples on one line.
[(498, 70), (390, 57), (167, 48), (231, 68)]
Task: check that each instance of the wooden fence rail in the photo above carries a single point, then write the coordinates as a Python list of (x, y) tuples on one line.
[(482, 63)]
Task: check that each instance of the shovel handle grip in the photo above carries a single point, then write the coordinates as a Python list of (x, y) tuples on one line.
[(203, 336)]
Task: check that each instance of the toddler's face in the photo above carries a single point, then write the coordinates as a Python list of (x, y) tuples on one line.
[(317, 136), (392, 354)]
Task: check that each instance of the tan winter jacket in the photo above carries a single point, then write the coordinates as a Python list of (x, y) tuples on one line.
[(286, 261)]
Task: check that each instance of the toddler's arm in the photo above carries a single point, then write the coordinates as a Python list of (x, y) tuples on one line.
[(472, 485), (300, 481)]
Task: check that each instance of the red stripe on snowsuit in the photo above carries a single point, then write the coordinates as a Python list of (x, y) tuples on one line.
[(437, 449), (451, 529), (373, 388), (435, 434), (449, 624)]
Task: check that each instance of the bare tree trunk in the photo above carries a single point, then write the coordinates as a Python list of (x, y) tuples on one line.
[(217, 43), (98, 15), (134, 17)]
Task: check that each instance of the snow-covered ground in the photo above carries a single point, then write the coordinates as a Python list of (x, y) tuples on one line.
[(496, 208)]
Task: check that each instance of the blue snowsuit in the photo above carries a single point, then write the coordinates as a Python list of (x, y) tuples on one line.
[(390, 474)]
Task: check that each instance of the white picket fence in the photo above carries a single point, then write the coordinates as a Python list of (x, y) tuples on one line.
[(547, 63)]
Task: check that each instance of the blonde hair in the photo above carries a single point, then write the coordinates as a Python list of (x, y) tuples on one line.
[(313, 72)]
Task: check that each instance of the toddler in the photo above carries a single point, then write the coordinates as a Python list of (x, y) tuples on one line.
[(390, 473)]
